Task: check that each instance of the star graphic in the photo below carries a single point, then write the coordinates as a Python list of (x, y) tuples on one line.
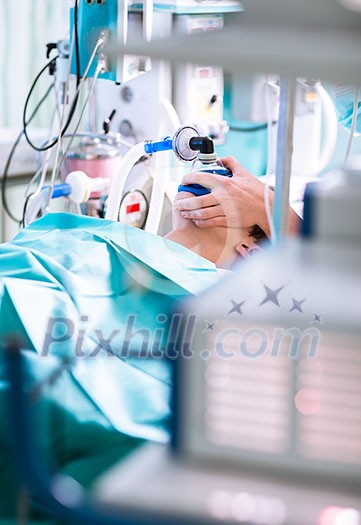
[(271, 296), (317, 318), (236, 307), (297, 305), (209, 326)]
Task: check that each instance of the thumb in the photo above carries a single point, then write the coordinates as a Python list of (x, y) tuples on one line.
[(209, 180), (236, 168)]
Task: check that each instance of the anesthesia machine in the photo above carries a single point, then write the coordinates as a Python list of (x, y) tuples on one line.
[(106, 104)]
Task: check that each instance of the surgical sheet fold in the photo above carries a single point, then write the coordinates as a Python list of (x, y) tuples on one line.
[(78, 291)]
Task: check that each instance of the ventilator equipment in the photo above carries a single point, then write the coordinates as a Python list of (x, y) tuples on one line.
[(180, 143), (78, 187), (133, 97), (130, 97)]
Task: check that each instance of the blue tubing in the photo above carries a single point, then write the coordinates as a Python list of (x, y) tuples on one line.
[(162, 145), (59, 190)]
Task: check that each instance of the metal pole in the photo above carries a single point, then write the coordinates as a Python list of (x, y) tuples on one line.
[(284, 157)]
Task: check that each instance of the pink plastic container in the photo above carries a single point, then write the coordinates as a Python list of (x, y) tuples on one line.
[(95, 157)]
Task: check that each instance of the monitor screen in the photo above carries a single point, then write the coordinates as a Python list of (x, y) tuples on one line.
[(272, 397)]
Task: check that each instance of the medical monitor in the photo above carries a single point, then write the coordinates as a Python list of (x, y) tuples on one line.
[(265, 397)]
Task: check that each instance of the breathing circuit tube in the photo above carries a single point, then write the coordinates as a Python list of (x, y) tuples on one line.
[(117, 187), (156, 202), (179, 143)]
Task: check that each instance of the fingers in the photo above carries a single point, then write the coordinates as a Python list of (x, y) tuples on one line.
[(208, 180), (211, 223), (204, 213), (195, 203), (236, 168)]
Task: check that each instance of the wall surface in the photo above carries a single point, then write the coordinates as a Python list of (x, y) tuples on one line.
[(26, 26)]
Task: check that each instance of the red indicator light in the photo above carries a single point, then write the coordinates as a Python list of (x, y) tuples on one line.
[(204, 73), (133, 208)]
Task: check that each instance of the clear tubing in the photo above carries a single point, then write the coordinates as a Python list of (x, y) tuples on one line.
[(353, 126), (284, 157), (269, 165), (118, 182), (147, 20), (157, 198), (32, 181), (160, 178), (89, 94), (331, 129), (44, 169), (172, 114), (35, 205), (58, 111), (99, 43), (61, 120)]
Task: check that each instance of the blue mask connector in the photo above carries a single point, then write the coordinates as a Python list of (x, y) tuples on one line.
[(161, 145)]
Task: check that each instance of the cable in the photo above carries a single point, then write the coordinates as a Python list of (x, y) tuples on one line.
[(76, 97), (90, 92), (99, 43), (42, 169), (56, 167), (172, 114), (76, 37), (11, 154), (331, 129), (22, 222), (31, 182), (57, 140), (269, 167), (49, 153), (25, 121), (353, 126)]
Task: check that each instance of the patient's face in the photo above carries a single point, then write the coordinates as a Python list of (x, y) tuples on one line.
[(219, 244)]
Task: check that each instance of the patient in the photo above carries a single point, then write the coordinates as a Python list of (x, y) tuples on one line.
[(90, 299), (219, 245)]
